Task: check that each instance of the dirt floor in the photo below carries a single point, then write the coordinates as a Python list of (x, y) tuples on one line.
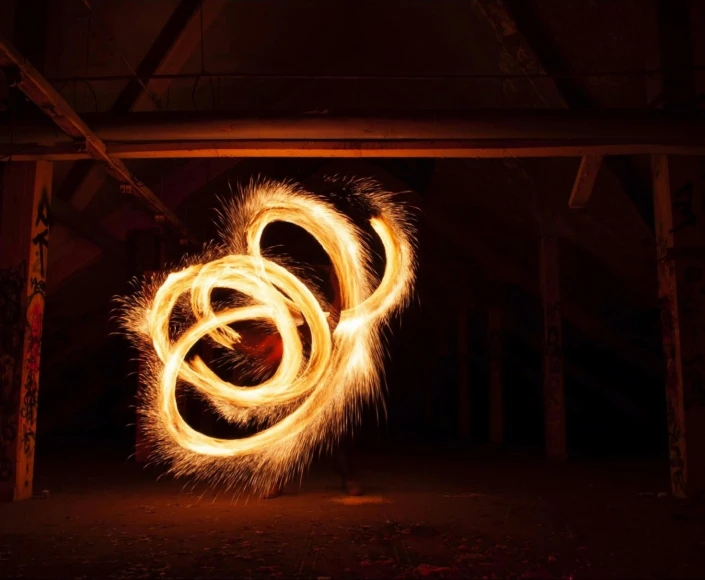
[(461, 514)]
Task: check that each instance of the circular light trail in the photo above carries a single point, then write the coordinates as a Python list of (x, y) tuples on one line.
[(316, 393)]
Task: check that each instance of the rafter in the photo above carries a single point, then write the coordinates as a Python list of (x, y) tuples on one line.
[(39, 91), (523, 40), (170, 51), (585, 181), (172, 47), (179, 185)]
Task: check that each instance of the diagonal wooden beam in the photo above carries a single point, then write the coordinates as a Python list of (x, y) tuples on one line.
[(585, 181), (39, 91), (170, 51), (134, 92), (178, 186), (168, 54), (531, 49)]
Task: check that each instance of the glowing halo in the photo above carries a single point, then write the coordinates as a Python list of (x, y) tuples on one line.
[(315, 394)]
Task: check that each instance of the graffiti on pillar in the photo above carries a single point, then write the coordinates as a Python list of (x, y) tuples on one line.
[(12, 288), (676, 437), (40, 241), (33, 344)]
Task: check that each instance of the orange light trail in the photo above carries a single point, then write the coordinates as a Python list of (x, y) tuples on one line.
[(315, 395)]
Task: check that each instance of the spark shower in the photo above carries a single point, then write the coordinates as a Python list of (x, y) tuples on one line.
[(316, 393)]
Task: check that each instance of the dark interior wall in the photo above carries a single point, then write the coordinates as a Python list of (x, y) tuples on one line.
[(613, 408)]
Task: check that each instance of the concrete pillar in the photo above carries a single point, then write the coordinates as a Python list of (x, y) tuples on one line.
[(553, 380), (24, 240), (680, 245)]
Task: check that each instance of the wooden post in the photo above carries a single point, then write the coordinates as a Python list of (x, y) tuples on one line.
[(24, 239), (553, 385), (680, 243), (463, 358), (494, 339)]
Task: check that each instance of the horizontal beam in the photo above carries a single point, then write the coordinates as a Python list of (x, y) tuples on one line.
[(461, 149), (600, 127), (41, 93)]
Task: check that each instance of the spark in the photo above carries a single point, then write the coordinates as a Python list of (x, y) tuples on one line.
[(316, 393)]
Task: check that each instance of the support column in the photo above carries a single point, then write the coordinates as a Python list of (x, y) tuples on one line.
[(24, 239), (680, 242), (553, 381), (494, 339), (463, 358)]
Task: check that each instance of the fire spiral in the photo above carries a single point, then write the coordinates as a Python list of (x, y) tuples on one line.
[(316, 393)]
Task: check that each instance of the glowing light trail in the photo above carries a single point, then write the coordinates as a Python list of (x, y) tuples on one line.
[(315, 394)]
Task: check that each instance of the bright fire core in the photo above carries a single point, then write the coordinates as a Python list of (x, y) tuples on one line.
[(316, 393)]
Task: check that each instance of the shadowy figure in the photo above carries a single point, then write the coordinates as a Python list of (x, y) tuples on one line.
[(267, 348)]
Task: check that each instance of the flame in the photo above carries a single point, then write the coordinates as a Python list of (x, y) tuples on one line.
[(316, 394)]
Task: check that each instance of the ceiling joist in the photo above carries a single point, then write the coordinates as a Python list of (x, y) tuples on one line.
[(170, 50), (42, 94), (531, 49)]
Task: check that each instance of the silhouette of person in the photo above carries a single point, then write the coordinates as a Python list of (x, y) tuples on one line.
[(267, 349)]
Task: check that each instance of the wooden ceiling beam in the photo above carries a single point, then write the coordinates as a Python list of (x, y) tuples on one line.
[(558, 127), (39, 91), (170, 50), (358, 148), (175, 44)]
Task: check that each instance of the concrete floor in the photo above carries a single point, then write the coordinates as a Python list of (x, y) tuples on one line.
[(468, 514)]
